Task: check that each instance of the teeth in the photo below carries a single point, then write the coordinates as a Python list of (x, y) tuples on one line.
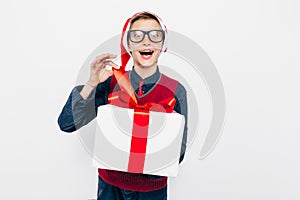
[(147, 50)]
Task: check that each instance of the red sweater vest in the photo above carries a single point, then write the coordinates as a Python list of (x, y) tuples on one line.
[(164, 88)]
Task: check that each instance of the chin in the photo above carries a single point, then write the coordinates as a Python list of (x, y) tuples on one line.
[(146, 65)]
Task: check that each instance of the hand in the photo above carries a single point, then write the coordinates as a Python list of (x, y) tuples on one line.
[(98, 72)]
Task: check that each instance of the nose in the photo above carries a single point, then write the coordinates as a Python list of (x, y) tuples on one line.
[(146, 40)]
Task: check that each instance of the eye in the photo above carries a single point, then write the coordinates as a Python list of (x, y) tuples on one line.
[(137, 34), (155, 34)]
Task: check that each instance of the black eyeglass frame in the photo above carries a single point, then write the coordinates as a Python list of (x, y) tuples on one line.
[(146, 33)]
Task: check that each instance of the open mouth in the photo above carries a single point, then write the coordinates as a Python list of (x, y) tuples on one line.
[(146, 52)]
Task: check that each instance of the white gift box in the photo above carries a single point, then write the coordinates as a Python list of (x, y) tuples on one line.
[(113, 142)]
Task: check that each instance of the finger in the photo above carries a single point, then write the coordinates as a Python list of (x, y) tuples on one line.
[(103, 57), (108, 73), (105, 75), (101, 64), (93, 63), (111, 63), (98, 62)]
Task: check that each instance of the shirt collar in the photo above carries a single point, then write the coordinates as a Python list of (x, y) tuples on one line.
[(135, 78)]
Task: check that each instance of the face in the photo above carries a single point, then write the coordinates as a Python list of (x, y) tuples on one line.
[(145, 53)]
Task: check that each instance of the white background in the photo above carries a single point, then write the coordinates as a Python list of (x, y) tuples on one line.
[(254, 45)]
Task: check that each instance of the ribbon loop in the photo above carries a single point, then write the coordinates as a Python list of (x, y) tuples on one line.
[(122, 99)]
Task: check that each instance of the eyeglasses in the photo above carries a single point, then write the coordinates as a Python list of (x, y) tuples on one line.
[(137, 36)]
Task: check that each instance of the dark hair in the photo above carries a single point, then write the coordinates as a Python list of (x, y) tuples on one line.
[(143, 15)]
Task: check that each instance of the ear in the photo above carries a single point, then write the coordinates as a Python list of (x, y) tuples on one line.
[(162, 46)]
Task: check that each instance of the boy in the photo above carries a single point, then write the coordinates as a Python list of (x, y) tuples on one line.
[(143, 39)]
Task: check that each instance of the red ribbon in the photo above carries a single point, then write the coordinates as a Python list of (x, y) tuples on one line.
[(140, 125)]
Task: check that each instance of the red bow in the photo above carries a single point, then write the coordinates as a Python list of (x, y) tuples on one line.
[(122, 99)]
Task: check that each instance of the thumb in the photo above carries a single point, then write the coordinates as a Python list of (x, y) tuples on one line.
[(106, 75)]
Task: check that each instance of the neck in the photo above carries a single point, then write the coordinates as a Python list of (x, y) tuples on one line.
[(145, 72)]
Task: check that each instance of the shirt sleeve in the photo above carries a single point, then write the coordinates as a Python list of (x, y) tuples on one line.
[(182, 108), (78, 112)]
